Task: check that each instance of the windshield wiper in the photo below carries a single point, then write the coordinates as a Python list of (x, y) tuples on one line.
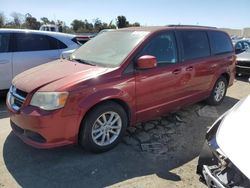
[(83, 61)]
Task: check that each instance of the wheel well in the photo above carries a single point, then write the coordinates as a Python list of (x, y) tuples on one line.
[(123, 104), (226, 75)]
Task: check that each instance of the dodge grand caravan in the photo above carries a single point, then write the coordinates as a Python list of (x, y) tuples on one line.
[(117, 79)]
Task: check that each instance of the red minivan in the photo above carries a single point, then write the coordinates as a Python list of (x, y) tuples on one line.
[(116, 79)]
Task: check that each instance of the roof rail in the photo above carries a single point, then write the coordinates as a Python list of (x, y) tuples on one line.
[(173, 25)]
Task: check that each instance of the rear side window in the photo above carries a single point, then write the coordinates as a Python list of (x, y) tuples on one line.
[(4, 42), (194, 44), (31, 42), (37, 42), (220, 42)]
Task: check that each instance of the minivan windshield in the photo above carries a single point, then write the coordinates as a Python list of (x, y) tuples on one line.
[(109, 49)]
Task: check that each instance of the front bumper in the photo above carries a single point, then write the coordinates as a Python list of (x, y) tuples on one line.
[(219, 172), (211, 181), (244, 70), (44, 129)]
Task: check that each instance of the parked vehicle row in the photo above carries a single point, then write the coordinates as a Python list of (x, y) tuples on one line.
[(23, 49), (116, 79)]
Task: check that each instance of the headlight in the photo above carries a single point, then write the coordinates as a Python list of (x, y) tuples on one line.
[(49, 100)]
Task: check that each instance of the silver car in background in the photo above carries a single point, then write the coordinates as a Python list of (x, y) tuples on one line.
[(243, 63), (23, 49)]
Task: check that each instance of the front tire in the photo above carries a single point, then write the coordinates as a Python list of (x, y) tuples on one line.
[(103, 127), (219, 91)]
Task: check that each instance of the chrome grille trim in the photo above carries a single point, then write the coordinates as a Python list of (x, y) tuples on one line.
[(12, 97)]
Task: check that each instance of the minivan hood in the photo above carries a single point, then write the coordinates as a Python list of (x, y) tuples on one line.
[(233, 136), (42, 75)]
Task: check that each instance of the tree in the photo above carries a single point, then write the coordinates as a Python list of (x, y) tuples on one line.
[(31, 22), (122, 22), (111, 25), (2, 20), (60, 24), (136, 24), (77, 25), (18, 19), (98, 24), (45, 20), (88, 26)]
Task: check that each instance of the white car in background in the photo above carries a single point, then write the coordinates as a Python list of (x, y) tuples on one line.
[(224, 160), (23, 49)]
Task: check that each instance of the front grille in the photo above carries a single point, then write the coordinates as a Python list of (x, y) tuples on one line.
[(16, 97), (18, 102), (243, 63), (21, 93)]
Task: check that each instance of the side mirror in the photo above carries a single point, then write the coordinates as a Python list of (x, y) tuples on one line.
[(146, 62)]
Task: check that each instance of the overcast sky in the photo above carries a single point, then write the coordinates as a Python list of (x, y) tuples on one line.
[(218, 13)]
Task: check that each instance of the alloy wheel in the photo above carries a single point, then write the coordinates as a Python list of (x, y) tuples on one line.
[(106, 128), (219, 91)]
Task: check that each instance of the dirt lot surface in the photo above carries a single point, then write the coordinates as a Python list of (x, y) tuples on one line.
[(158, 153)]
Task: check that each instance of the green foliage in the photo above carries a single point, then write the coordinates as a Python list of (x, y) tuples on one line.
[(32, 23), (122, 22), (2, 20), (27, 21), (77, 25), (18, 19), (45, 20)]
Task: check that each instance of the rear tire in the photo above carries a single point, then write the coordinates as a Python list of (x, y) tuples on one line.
[(103, 127), (219, 91)]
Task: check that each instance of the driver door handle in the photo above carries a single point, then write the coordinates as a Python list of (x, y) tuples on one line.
[(176, 71), (189, 68)]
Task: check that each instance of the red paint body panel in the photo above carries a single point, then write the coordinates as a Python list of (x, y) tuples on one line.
[(146, 93)]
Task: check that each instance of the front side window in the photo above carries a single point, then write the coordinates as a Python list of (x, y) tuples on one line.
[(4, 42), (163, 47), (109, 49), (220, 43), (194, 44), (31, 42)]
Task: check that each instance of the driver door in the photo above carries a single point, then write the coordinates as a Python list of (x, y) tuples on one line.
[(159, 89)]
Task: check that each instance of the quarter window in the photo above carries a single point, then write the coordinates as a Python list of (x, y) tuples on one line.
[(55, 43), (220, 42), (194, 44), (4, 42), (163, 47)]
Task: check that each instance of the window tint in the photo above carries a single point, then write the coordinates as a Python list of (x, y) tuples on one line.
[(220, 42), (31, 42), (4, 42), (163, 47), (55, 43), (194, 44)]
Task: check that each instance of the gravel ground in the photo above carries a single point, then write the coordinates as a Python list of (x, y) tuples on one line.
[(159, 153)]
